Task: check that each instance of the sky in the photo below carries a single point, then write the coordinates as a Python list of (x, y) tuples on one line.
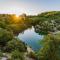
[(30, 7)]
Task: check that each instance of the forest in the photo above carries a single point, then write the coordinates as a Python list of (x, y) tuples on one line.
[(46, 23)]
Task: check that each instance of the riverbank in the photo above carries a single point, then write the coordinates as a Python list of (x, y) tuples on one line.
[(6, 56)]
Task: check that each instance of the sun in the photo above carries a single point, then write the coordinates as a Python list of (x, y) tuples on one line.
[(17, 15)]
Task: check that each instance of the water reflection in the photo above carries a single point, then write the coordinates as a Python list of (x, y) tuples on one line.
[(31, 38)]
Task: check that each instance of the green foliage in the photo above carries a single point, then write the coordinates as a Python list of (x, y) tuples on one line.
[(16, 44), (44, 23), (1, 54), (32, 55), (10, 26), (13, 23), (51, 48), (5, 36), (8, 43), (47, 22), (16, 55)]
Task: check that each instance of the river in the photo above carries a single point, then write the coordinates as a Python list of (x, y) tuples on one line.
[(31, 38)]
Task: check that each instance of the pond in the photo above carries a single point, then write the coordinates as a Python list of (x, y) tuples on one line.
[(31, 38)]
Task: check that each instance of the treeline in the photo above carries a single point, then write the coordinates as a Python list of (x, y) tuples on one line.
[(14, 23), (48, 24), (10, 27)]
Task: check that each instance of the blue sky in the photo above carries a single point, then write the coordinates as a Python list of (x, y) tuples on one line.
[(28, 6)]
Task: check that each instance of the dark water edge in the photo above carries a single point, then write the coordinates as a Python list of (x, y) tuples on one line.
[(31, 38)]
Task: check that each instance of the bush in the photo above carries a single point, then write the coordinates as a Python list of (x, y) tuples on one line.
[(32, 55), (16, 55), (15, 44), (5, 36), (1, 54)]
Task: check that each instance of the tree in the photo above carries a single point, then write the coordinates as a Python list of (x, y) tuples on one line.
[(16, 55), (15, 44), (51, 48), (5, 36)]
